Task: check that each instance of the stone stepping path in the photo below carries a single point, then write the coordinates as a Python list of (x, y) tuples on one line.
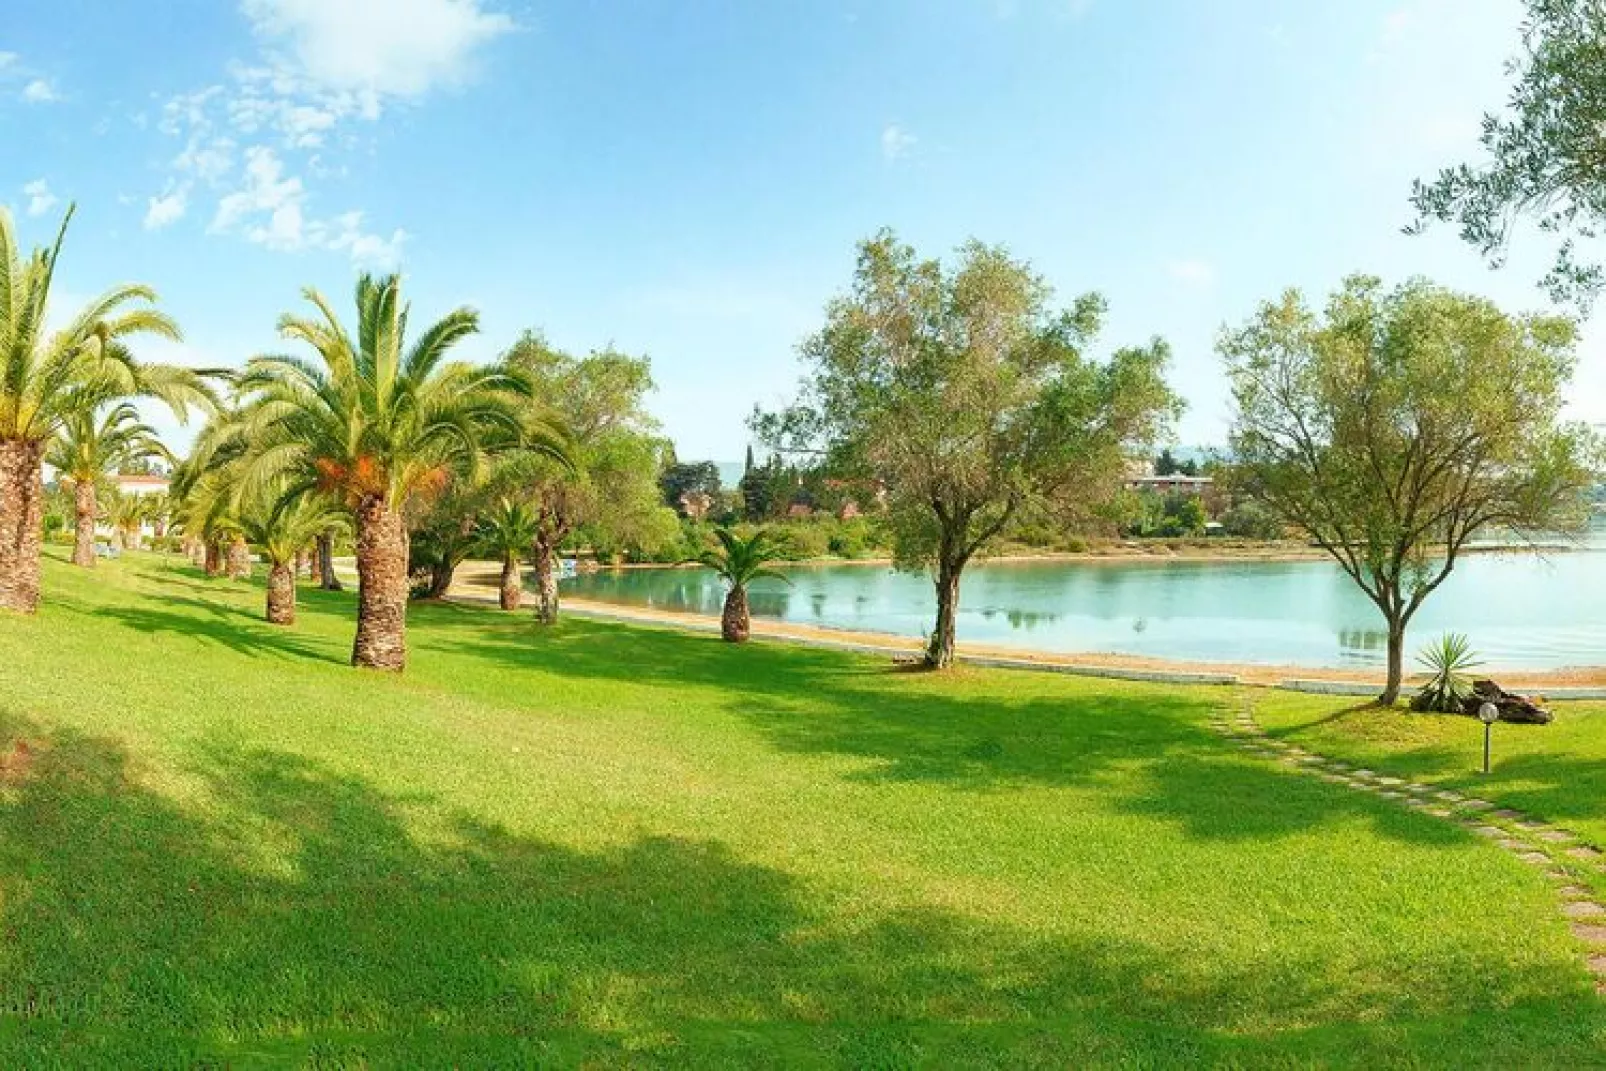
[(1560, 853)]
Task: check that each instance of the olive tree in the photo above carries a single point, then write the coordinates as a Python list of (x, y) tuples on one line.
[(1398, 424), (972, 401), (1544, 157)]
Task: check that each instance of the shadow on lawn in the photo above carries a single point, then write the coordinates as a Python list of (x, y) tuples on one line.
[(300, 918), (987, 731)]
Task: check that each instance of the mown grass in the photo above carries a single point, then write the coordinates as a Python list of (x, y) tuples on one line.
[(625, 846)]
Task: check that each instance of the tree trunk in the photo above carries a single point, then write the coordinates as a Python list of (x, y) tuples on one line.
[(214, 558), (281, 594), (1396, 667), (736, 624), (512, 594), (440, 578), (83, 551), (326, 564), (303, 565), (381, 587), (22, 493), (546, 582), (239, 559), (940, 651)]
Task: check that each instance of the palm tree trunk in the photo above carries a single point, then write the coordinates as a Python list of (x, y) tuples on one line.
[(381, 587), (239, 559), (83, 551), (546, 582), (326, 564), (512, 594), (281, 594), (22, 493), (735, 624), (940, 652)]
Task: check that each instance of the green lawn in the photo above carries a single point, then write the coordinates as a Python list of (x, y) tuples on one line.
[(641, 847), (1556, 772)]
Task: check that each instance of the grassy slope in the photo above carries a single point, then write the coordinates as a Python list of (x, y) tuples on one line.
[(643, 846)]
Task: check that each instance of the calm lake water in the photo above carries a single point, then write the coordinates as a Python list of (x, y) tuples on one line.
[(1521, 610)]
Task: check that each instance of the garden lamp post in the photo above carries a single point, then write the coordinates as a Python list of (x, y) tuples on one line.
[(1488, 713)]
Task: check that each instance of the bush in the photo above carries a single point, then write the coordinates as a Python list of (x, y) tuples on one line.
[(1252, 520)]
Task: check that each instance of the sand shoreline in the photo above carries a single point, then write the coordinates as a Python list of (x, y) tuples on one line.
[(478, 583)]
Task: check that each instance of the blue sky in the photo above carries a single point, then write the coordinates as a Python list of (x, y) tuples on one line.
[(688, 179)]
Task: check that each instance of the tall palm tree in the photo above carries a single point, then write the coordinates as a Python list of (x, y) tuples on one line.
[(284, 525), (46, 378), (379, 425), (87, 448), (739, 562), (508, 531), (125, 514)]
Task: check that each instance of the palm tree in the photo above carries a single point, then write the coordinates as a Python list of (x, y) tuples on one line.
[(283, 525), (380, 426), (45, 380), (739, 562), (125, 514), (87, 448), (507, 532)]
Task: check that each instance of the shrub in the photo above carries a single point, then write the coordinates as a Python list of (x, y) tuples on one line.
[(1449, 686)]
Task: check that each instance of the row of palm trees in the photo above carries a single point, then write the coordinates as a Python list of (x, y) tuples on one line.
[(354, 433)]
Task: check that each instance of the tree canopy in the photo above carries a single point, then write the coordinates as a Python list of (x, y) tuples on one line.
[(1545, 155), (1397, 424), (971, 400)]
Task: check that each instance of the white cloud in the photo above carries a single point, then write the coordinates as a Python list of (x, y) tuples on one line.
[(270, 210), (39, 91), (167, 209), (40, 199), (401, 48), (1192, 271), (896, 142)]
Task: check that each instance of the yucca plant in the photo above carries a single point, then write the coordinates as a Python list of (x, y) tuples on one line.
[(1448, 661), (739, 562)]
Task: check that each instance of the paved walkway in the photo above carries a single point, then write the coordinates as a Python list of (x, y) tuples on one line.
[(1560, 854)]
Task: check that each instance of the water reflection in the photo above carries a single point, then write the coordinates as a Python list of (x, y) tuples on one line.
[(1519, 610)]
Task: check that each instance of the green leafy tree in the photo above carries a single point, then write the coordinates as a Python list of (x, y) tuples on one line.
[(605, 482), (690, 488), (379, 424), (739, 562), (964, 394), (1543, 157), (1398, 424), (89, 446), (47, 379), (507, 533)]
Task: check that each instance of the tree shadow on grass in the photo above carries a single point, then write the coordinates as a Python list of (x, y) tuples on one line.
[(292, 914), (991, 731), (210, 622)]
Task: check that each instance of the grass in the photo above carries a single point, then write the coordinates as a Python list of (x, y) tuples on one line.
[(621, 846), (1556, 772)]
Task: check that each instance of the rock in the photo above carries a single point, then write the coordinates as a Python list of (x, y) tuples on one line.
[(1513, 708)]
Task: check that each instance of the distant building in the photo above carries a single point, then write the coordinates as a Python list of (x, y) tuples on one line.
[(141, 484), (1171, 485)]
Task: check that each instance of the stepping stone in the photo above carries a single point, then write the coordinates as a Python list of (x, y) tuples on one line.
[(1508, 814), (1416, 803), (1391, 782), (1534, 858), (1475, 805), (1512, 845), (1417, 789), (1554, 836), (1597, 964), (1590, 933), (1450, 797), (1439, 812), (1532, 826), (1311, 760), (1333, 779), (1389, 795), (1339, 766), (1584, 852), (1583, 909), (1573, 892), (1489, 831)]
